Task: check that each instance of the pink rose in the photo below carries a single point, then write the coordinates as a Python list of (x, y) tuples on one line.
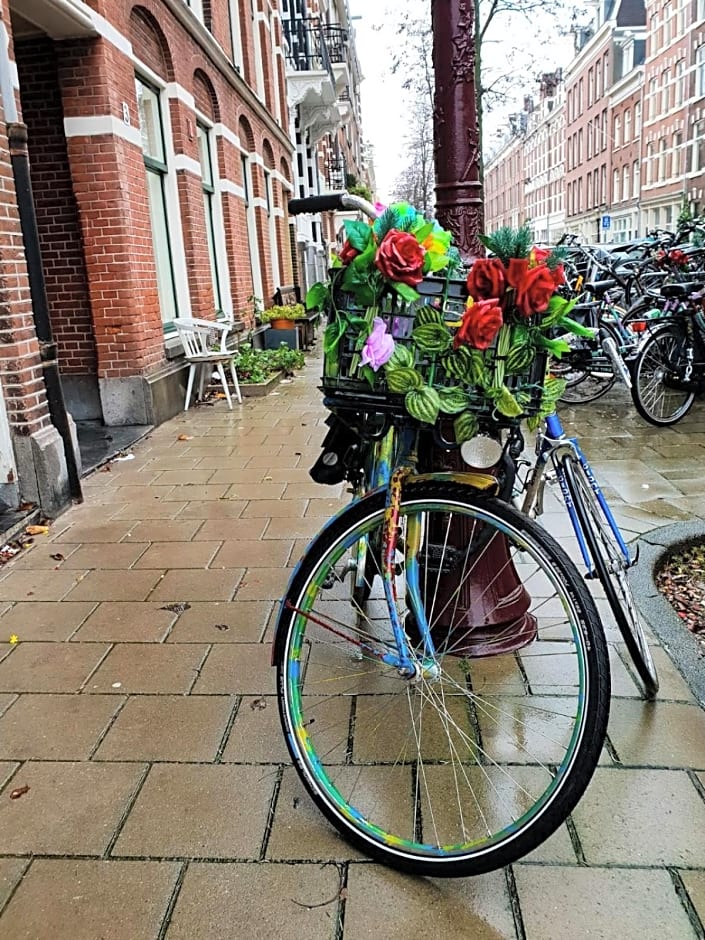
[(379, 346)]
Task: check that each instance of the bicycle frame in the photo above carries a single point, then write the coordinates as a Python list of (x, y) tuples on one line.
[(551, 446)]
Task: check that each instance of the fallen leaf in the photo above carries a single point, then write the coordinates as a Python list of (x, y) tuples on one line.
[(58, 557), (14, 640), (185, 437), (258, 704), (25, 507), (37, 530), (106, 469), (222, 626), (343, 894), (176, 608), (18, 792)]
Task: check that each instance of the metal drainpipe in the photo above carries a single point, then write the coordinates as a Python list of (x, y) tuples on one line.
[(17, 139)]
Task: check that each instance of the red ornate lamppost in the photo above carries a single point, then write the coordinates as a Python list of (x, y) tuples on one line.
[(491, 614), (456, 133)]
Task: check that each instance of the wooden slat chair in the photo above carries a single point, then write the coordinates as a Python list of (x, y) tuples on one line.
[(204, 343)]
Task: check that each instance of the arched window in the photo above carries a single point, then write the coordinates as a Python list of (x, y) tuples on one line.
[(247, 143)]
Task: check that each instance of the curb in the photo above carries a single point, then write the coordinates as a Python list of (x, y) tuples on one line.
[(678, 642)]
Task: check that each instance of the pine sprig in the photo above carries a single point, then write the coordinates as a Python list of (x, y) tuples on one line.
[(386, 222), (558, 256), (507, 243)]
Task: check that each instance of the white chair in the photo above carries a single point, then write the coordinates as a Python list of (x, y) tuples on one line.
[(204, 343)]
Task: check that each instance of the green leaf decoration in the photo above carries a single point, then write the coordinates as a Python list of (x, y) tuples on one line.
[(432, 337), (405, 291), (453, 400), (317, 296), (368, 373), (332, 335), (436, 261), (401, 358), (466, 427), (423, 404), (556, 347), (557, 308), (423, 231), (403, 380), (467, 365), (428, 314), (506, 404), (577, 328), (519, 358), (358, 234)]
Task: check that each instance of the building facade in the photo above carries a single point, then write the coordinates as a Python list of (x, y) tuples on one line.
[(504, 180), (323, 86), (544, 161), (161, 165), (673, 147)]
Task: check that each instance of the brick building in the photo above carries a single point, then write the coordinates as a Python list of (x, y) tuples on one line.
[(544, 160), (161, 164), (323, 82), (505, 173), (625, 104), (673, 140)]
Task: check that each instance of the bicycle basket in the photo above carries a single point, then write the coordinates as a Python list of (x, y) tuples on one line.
[(434, 362)]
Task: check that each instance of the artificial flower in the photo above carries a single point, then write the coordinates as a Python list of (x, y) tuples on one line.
[(487, 278), (378, 347), (533, 287), (481, 323), (347, 252), (400, 258)]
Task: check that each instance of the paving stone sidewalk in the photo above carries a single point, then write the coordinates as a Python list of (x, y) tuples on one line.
[(161, 804)]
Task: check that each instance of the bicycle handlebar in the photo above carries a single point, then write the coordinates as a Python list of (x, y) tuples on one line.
[(332, 202)]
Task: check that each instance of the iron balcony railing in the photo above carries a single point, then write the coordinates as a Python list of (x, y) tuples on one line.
[(308, 49), (336, 39)]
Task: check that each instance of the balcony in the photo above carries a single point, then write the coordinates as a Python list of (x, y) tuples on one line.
[(311, 80), (337, 41)]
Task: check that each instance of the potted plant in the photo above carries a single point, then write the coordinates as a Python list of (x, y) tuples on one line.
[(280, 317)]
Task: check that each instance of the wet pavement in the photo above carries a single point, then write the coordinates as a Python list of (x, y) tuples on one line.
[(161, 804)]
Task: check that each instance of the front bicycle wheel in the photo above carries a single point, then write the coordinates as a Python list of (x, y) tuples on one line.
[(661, 354), (472, 762), (587, 370), (612, 570)]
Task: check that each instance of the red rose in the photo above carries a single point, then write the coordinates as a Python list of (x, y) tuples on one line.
[(534, 286), (558, 275), (487, 278), (400, 258), (347, 253), (481, 323)]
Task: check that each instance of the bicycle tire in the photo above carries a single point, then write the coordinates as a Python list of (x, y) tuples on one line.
[(587, 385), (341, 743), (654, 401), (611, 570)]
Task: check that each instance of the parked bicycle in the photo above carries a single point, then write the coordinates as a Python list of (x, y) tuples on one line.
[(442, 670), (669, 370)]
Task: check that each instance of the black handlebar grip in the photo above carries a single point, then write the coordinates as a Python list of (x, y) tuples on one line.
[(331, 202)]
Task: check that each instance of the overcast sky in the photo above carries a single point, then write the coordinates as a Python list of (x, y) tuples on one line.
[(383, 98)]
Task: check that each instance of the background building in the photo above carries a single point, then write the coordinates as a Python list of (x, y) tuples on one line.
[(544, 160)]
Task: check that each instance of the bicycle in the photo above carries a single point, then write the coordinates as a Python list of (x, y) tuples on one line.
[(602, 547), (448, 721), (669, 370)]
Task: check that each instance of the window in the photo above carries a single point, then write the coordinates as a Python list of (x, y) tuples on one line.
[(589, 190), (208, 186), (662, 160), (700, 71), (589, 140), (649, 163), (636, 179), (627, 126), (637, 119), (616, 196), (590, 86), (680, 83), (667, 23), (235, 33), (698, 151), (625, 181), (677, 154), (272, 226), (652, 102), (665, 91), (252, 239), (154, 152), (617, 131)]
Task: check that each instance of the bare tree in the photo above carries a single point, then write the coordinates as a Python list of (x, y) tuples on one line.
[(502, 67)]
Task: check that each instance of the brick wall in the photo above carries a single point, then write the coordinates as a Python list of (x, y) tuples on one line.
[(57, 214)]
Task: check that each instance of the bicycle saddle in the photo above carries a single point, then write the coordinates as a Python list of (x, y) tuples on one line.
[(681, 290), (600, 288)]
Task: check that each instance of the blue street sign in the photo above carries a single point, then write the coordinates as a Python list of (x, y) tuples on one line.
[(606, 221)]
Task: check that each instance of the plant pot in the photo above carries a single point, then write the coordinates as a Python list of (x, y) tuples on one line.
[(283, 324), (259, 389)]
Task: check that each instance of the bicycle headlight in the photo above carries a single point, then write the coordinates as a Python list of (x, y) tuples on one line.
[(481, 452)]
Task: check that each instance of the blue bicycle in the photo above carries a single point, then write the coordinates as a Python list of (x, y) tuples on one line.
[(604, 551)]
